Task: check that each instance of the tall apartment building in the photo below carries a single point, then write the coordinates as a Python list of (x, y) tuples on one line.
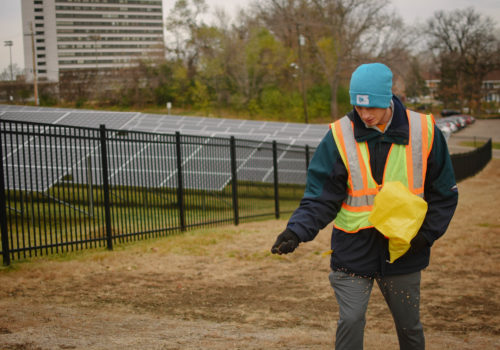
[(89, 34)]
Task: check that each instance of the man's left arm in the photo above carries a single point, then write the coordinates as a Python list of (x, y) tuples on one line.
[(441, 193)]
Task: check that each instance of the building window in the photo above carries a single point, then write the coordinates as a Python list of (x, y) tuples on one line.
[(39, 17), (40, 48), (39, 25), (42, 71), (40, 56), (42, 63), (38, 9), (38, 2), (40, 40)]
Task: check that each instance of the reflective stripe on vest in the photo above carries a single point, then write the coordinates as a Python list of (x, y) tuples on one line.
[(361, 187)]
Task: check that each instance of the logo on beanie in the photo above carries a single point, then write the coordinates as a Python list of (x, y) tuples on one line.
[(362, 99)]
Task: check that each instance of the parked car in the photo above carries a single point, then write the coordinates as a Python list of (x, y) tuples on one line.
[(451, 124), (445, 129), (445, 122), (449, 112), (469, 119), (458, 120)]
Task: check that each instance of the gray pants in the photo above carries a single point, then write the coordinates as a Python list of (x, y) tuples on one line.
[(402, 294)]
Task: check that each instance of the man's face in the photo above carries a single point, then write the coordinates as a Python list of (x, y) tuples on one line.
[(372, 116)]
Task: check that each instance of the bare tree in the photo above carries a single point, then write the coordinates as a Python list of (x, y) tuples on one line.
[(15, 70), (467, 50), (415, 83), (75, 85), (184, 25)]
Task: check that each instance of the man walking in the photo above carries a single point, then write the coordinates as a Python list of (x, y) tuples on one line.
[(380, 141)]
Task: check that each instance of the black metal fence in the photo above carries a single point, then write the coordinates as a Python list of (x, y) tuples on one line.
[(68, 188), (470, 163)]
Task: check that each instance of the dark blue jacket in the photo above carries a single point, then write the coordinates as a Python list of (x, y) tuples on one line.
[(366, 252)]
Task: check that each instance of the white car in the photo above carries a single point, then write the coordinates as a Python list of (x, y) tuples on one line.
[(446, 128)]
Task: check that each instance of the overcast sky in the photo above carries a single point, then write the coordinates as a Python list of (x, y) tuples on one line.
[(412, 11)]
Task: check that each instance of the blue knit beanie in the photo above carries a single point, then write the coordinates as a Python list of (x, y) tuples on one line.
[(371, 86)]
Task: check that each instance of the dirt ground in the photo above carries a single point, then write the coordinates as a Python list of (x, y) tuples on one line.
[(220, 288)]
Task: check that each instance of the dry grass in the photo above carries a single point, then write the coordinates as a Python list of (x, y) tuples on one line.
[(221, 289)]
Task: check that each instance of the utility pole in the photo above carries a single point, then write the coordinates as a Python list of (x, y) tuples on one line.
[(35, 80), (9, 43), (301, 41)]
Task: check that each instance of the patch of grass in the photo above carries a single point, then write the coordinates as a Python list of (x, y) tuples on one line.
[(255, 256), (94, 254), (61, 224), (477, 144), (487, 224), (194, 243)]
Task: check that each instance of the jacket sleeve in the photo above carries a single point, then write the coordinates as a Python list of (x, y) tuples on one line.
[(325, 191), (441, 191)]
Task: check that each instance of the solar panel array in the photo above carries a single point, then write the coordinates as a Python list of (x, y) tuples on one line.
[(289, 133), (253, 149)]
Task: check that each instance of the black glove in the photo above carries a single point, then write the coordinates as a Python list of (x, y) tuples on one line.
[(417, 244), (286, 243)]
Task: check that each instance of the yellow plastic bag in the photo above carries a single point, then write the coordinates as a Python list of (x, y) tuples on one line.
[(397, 214)]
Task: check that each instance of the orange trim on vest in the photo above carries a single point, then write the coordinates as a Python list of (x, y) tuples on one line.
[(360, 193), (361, 228), (338, 130), (357, 209), (409, 155)]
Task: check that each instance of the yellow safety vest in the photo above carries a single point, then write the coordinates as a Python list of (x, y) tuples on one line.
[(405, 163)]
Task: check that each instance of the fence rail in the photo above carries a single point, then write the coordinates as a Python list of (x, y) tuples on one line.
[(68, 188)]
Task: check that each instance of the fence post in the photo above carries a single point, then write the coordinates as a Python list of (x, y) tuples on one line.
[(489, 152), (3, 212), (234, 180), (276, 184), (105, 185), (90, 191), (180, 186), (307, 158)]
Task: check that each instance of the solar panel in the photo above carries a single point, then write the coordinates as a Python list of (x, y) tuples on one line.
[(150, 163), (40, 156), (49, 117), (112, 120)]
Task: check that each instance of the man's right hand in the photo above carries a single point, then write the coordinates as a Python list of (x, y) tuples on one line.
[(286, 243)]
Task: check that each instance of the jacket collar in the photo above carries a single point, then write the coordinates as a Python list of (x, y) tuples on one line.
[(397, 132)]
